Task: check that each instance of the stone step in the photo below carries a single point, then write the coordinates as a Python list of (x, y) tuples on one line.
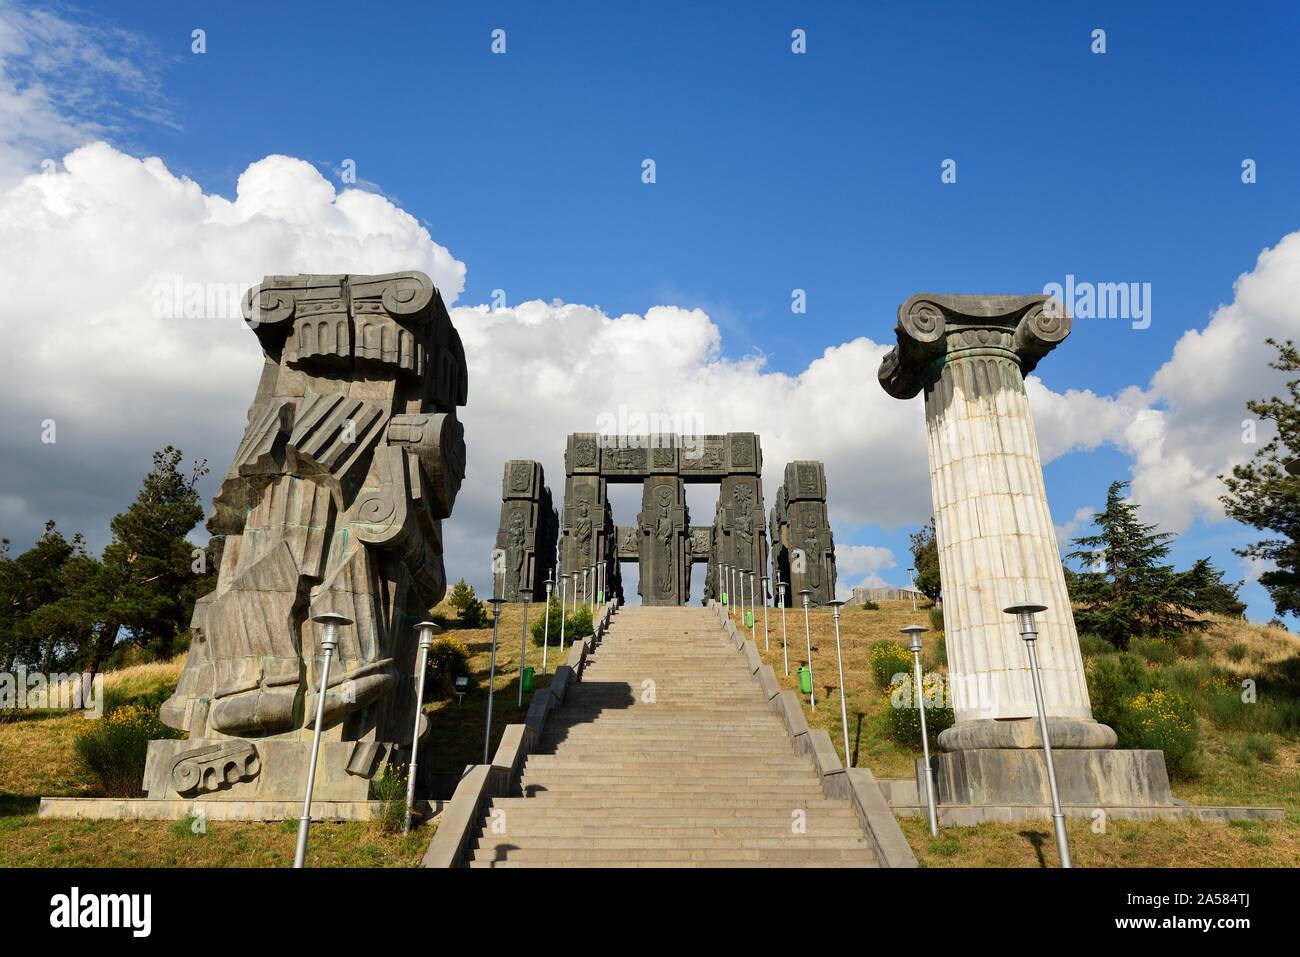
[(782, 842), (780, 856)]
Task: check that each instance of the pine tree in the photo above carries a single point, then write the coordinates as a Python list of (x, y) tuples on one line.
[(29, 584), (1125, 588), (145, 585), (1263, 495)]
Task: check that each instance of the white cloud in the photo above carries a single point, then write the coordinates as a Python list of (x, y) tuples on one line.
[(1186, 428), (94, 244), (859, 566), (1064, 533)]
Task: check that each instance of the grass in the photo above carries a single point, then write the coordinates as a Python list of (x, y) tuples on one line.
[(1236, 768)]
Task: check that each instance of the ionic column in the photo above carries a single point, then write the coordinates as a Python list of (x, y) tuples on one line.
[(997, 547)]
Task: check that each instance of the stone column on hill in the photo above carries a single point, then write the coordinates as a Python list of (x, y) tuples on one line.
[(969, 355)]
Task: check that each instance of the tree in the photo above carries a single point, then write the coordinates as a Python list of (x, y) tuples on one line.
[(925, 559), (1261, 493), (1212, 592), (149, 576), (28, 585), (1124, 587)]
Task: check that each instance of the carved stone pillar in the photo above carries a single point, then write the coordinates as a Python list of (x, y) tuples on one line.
[(969, 354), (664, 529)]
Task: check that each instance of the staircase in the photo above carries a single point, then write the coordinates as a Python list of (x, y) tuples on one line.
[(666, 754)]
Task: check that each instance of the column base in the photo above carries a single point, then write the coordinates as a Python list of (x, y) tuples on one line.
[(1018, 776), (1066, 733)]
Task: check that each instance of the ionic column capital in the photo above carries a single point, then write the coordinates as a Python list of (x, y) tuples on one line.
[(934, 330)]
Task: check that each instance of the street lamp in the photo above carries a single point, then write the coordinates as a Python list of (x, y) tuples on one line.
[(427, 628), (915, 632), (523, 649), (723, 584), (812, 691), (766, 646), (785, 644), (844, 708), (1024, 613), (497, 602), (564, 587), (331, 623), (546, 628), (753, 620), (911, 586)]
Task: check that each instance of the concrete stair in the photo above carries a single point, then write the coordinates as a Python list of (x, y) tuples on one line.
[(692, 769)]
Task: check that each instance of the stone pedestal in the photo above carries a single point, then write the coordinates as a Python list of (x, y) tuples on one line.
[(1097, 777), (997, 547), (231, 769)]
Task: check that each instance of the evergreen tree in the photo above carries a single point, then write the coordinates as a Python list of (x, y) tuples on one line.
[(1263, 495), (149, 577), (925, 559), (1125, 588), (29, 584)]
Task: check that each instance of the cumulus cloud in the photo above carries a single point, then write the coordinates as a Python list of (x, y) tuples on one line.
[(859, 566), (1189, 425), (97, 246)]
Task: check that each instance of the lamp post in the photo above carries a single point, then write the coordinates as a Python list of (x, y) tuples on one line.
[(844, 707), (911, 586), (546, 628), (753, 619), (523, 649), (740, 584), (1024, 613), (914, 632), (497, 602), (331, 623), (427, 628), (766, 646), (585, 570), (812, 690), (723, 582), (785, 644), (564, 587)]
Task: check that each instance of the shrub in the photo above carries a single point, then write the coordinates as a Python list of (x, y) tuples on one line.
[(1261, 746), (1154, 650), (472, 612), (936, 618), (112, 749), (448, 660), (1236, 652), (889, 658), (579, 624), (1165, 721), (869, 606), (390, 787), (939, 652), (1091, 645), (905, 716), (540, 626), (1113, 681)]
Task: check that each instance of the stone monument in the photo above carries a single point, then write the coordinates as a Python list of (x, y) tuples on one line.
[(803, 548), (352, 457), (969, 355), (527, 535)]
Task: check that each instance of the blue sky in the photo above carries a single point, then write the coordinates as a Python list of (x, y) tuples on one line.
[(775, 171)]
